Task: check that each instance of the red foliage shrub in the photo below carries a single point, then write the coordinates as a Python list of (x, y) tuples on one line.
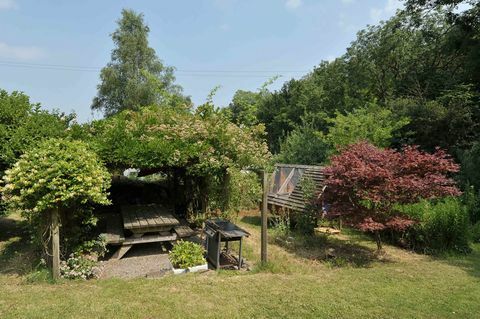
[(364, 182)]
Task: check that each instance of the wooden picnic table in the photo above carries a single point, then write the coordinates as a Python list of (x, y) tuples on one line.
[(149, 223)]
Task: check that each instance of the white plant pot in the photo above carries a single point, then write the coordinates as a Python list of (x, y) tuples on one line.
[(198, 268), (179, 271)]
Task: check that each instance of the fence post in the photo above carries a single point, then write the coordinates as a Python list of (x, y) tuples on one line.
[(263, 252), (55, 237)]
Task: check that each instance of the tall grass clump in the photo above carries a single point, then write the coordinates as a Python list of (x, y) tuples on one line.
[(442, 226)]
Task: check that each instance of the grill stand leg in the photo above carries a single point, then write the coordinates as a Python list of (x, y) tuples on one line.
[(218, 250), (240, 255)]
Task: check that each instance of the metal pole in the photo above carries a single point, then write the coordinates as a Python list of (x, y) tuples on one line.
[(263, 252)]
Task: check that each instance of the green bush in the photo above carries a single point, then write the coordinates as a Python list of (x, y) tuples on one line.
[(245, 190), (305, 222), (280, 225), (186, 254), (58, 174), (471, 199), (476, 233), (443, 226)]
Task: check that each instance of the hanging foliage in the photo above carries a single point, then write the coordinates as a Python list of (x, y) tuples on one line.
[(157, 137)]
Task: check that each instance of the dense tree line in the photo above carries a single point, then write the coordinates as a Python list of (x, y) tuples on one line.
[(422, 65)]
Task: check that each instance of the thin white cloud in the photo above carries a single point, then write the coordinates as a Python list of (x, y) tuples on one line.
[(8, 4), (389, 9), (293, 4), (20, 52)]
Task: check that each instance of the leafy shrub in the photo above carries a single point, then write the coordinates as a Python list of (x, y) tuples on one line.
[(476, 233), (157, 136), (281, 227), (79, 266), (306, 221), (58, 174), (443, 226), (187, 254), (471, 199), (470, 160), (245, 190), (82, 264), (97, 247)]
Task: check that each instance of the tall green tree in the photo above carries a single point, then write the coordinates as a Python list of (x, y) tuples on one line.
[(244, 107), (372, 123), (421, 64), (24, 124), (135, 76)]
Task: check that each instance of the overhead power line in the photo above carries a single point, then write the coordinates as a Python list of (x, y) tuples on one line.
[(178, 72)]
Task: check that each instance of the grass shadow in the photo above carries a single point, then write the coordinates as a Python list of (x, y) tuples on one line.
[(332, 251), (17, 255)]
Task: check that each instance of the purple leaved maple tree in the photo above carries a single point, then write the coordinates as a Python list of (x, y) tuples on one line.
[(365, 182)]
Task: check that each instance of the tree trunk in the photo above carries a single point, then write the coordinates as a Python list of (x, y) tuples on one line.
[(378, 240), (55, 238), (204, 188), (226, 191)]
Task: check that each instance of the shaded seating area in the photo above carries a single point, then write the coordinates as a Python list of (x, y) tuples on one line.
[(140, 224)]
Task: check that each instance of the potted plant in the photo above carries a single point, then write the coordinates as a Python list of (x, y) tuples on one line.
[(187, 256)]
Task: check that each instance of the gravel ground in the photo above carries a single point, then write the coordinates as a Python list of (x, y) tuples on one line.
[(147, 260)]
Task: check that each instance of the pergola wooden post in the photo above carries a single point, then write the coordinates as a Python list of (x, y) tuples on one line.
[(264, 219), (55, 242)]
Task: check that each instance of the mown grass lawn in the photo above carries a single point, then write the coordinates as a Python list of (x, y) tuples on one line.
[(298, 283)]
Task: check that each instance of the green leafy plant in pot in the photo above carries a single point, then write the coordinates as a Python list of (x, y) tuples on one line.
[(186, 254)]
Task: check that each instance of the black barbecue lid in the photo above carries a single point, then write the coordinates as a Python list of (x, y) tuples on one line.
[(226, 227)]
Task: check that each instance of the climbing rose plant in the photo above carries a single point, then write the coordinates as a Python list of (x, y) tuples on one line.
[(365, 182), (56, 174), (204, 142)]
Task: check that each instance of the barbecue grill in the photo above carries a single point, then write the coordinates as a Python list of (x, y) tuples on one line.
[(218, 231)]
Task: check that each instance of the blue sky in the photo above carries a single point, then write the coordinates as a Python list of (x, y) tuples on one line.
[(53, 50)]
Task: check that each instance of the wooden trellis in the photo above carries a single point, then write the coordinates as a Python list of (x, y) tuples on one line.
[(285, 189)]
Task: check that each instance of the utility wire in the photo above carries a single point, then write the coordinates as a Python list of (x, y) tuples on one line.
[(179, 72)]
